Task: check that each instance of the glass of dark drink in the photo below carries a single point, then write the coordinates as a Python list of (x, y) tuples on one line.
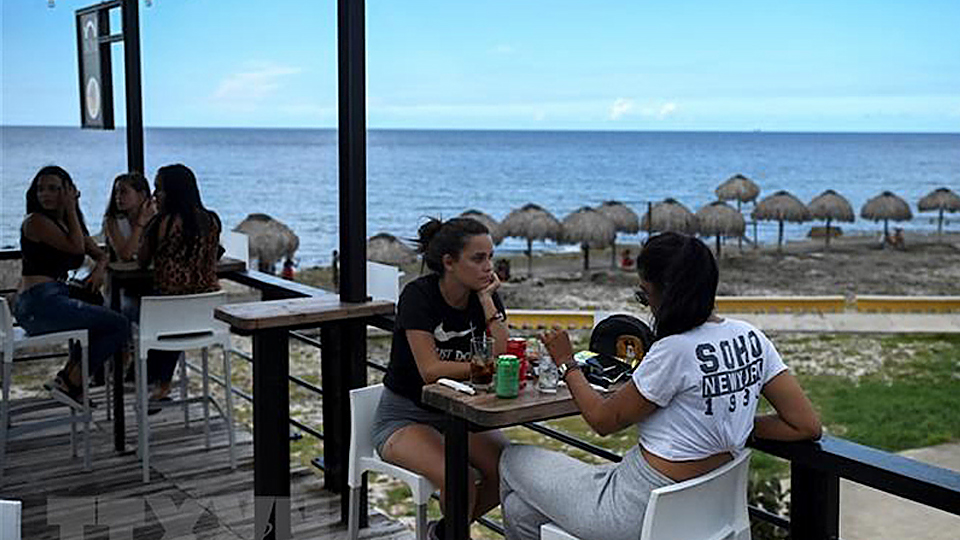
[(482, 363)]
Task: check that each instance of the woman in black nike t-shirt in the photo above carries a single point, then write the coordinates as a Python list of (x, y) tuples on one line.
[(437, 315)]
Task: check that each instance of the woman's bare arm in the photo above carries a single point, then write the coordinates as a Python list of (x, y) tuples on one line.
[(429, 364), (125, 248), (604, 415), (795, 419), (40, 228)]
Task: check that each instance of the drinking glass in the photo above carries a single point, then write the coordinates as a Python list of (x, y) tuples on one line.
[(548, 376), (482, 363)]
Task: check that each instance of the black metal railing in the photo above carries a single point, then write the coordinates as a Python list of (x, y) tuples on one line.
[(816, 467)]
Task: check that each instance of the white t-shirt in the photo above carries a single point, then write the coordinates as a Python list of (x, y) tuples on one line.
[(707, 382)]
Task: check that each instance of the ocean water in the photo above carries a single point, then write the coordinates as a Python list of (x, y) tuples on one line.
[(292, 174)]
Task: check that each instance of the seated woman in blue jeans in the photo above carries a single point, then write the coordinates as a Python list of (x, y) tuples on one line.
[(693, 399), (54, 240)]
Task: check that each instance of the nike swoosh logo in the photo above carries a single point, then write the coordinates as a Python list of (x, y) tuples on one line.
[(442, 335)]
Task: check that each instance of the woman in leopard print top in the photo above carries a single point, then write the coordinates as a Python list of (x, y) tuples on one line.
[(183, 242)]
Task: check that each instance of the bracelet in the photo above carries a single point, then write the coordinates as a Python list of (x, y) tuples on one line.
[(498, 316), (567, 367)]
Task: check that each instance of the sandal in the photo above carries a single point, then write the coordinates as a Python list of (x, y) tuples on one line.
[(62, 391)]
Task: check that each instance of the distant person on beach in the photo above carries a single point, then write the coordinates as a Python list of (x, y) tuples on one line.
[(897, 240), (626, 260), (894, 240), (335, 270), (503, 270), (692, 409), (53, 241), (437, 315), (287, 272), (183, 244)]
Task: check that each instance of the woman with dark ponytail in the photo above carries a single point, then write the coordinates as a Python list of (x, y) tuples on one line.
[(437, 315), (182, 241), (693, 399)]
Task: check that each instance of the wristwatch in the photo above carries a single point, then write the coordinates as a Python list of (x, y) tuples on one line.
[(567, 367)]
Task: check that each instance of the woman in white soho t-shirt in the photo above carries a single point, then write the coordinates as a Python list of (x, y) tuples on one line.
[(693, 399)]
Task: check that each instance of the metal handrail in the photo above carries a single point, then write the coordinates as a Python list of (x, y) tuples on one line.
[(818, 466)]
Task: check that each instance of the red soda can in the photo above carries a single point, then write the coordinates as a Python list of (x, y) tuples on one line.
[(518, 347)]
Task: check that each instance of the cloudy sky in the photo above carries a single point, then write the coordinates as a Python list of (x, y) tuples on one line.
[(815, 65)]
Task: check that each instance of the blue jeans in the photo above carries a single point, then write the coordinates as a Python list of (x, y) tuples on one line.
[(46, 308), (160, 364)]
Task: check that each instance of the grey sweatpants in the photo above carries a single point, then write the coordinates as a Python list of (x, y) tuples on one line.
[(591, 502)]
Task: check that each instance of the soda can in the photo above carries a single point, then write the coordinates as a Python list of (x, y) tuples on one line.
[(508, 376), (518, 348)]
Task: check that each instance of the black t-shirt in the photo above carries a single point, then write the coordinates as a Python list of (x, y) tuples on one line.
[(422, 307)]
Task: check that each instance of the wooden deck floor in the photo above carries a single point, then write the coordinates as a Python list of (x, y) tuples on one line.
[(193, 493)]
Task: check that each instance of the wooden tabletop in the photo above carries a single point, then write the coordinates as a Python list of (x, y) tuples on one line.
[(132, 269), (487, 410), (252, 316)]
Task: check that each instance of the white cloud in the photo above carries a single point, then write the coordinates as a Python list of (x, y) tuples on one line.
[(252, 86), (503, 49), (667, 109), (660, 111), (620, 107)]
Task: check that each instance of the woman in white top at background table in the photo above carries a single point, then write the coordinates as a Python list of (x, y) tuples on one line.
[(693, 398), (129, 211)]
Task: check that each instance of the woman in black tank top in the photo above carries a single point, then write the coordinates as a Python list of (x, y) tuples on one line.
[(54, 240)]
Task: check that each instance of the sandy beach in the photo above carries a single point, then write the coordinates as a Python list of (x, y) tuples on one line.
[(851, 266)]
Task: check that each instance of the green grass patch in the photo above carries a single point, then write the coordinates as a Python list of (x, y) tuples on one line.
[(904, 405)]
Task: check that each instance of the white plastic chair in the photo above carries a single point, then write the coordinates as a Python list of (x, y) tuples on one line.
[(178, 323), (363, 457), (10, 517), (15, 340), (712, 506), (236, 245)]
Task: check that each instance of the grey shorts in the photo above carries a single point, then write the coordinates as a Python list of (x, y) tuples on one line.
[(395, 412)]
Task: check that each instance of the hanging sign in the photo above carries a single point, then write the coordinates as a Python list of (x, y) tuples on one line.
[(96, 80)]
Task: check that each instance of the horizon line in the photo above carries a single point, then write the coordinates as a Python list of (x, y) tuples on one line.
[(525, 130)]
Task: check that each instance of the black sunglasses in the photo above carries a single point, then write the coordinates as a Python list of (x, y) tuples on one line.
[(640, 295)]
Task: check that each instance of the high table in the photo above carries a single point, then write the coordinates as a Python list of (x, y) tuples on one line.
[(124, 275), (477, 413), (343, 328)]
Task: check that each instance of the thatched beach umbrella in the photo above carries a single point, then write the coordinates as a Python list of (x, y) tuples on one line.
[(669, 215), (270, 240), (780, 207), (719, 219), (830, 206), (388, 249), (590, 229), (940, 199), (487, 221), (624, 219), (738, 188), (886, 206), (531, 222)]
